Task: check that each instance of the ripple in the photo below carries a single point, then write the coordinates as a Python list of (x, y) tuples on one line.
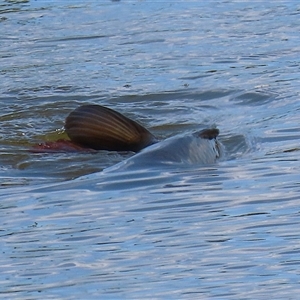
[(225, 231)]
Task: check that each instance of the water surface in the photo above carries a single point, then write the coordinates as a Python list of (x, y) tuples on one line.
[(221, 231)]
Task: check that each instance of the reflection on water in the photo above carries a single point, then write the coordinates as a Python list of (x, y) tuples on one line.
[(226, 230)]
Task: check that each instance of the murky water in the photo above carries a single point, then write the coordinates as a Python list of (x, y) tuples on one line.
[(225, 231)]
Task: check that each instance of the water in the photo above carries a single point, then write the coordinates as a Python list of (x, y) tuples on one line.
[(221, 231)]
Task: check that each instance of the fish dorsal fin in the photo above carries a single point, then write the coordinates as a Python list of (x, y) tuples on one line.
[(102, 128)]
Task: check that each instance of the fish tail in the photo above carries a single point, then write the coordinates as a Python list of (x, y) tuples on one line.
[(209, 134)]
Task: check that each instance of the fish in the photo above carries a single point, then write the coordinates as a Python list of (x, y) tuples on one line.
[(194, 148), (101, 128), (95, 127), (61, 145)]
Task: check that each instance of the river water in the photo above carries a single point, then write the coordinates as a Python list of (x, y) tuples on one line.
[(222, 231)]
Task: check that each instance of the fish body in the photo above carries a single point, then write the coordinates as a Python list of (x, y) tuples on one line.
[(95, 127), (201, 147)]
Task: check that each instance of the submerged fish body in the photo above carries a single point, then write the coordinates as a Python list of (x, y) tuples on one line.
[(94, 127), (189, 149), (98, 127), (192, 148)]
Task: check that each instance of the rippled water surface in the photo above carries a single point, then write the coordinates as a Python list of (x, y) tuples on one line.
[(70, 230)]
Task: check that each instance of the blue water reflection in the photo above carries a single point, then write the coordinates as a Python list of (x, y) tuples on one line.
[(70, 230)]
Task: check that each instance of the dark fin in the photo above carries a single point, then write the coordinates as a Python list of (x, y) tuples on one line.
[(101, 128), (209, 134)]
